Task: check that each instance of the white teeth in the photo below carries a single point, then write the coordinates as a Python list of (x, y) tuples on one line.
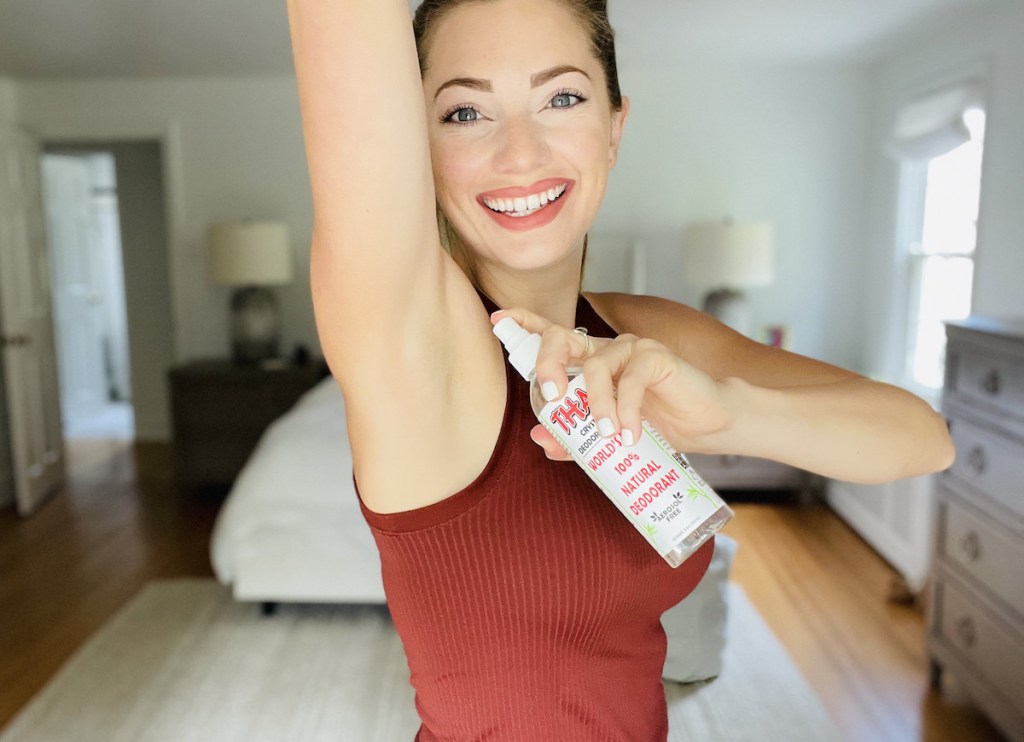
[(519, 207)]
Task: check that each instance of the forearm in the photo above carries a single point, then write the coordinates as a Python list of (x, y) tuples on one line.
[(854, 429)]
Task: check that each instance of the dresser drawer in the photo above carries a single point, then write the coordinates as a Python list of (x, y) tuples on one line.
[(990, 462), (997, 383), (981, 639), (986, 551)]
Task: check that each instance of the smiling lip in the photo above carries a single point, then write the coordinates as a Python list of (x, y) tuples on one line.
[(502, 207)]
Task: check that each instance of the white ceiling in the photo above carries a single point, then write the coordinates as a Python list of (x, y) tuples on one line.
[(140, 38)]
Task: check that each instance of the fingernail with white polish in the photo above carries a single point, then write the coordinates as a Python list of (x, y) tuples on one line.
[(605, 427), (627, 437), (550, 390)]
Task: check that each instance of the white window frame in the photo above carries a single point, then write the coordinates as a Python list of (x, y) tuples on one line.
[(909, 259)]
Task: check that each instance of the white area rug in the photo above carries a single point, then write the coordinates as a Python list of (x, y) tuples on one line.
[(184, 662)]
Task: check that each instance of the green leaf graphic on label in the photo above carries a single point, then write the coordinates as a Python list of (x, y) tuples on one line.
[(650, 529), (696, 494)]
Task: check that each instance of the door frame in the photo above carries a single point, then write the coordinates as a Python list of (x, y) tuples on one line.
[(168, 134)]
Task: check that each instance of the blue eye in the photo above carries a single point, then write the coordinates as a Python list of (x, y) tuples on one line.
[(461, 115), (564, 100)]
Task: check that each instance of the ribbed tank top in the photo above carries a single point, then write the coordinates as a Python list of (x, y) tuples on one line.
[(528, 606)]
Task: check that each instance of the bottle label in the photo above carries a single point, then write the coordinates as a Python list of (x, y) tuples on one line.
[(664, 497)]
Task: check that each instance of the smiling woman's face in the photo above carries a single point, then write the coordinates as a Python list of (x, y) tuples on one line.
[(522, 133)]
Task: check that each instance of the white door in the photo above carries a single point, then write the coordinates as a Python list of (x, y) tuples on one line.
[(26, 327), (78, 293)]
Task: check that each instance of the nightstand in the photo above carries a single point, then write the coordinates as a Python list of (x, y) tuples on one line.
[(220, 410)]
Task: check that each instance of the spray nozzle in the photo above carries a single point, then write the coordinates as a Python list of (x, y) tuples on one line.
[(522, 346)]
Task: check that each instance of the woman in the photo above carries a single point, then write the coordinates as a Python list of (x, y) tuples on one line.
[(529, 608)]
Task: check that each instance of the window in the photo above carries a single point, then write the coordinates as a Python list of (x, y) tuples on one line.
[(941, 256), (940, 191)]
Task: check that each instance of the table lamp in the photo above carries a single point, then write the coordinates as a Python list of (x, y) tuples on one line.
[(250, 256), (726, 258)]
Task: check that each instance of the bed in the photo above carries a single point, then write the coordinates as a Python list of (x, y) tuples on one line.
[(290, 529)]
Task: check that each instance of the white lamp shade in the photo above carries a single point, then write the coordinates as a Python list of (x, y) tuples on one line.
[(249, 253), (725, 255)]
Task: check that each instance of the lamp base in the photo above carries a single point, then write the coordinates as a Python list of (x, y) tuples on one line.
[(729, 307), (255, 325)]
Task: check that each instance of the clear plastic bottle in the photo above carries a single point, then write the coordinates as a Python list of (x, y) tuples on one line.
[(651, 483)]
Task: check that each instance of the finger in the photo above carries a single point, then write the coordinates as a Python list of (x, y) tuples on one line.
[(648, 364), (600, 370), (552, 448), (532, 322), (558, 345), (562, 348), (526, 319)]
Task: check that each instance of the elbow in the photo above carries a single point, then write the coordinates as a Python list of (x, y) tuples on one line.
[(928, 450), (939, 452), (945, 450)]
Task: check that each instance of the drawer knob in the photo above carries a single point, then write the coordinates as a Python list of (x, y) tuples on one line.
[(965, 632), (970, 546), (990, 384), (976, 460)]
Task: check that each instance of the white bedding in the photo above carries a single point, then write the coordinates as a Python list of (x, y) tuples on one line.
[(291, 529)]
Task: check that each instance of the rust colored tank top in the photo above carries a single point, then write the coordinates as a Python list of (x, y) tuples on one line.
[(528, 606)]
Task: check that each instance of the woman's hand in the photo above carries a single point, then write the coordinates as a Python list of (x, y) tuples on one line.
[(628, 378)]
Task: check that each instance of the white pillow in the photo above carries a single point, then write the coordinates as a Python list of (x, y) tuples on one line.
[(695, 627)]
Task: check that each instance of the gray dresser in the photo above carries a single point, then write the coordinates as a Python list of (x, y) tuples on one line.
[(976, 611)]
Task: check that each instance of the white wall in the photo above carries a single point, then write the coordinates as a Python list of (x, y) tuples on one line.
[(233, 150), (988, 39), (146, 291), (752, 140), (705, 140), (8, 101)]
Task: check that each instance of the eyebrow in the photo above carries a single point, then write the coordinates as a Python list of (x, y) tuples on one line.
[(535, 80)]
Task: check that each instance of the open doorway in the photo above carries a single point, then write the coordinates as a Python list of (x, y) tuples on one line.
[(126, 309), (87, 279)]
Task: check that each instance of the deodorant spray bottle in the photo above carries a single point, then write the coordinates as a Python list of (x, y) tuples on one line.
[(651, 483)]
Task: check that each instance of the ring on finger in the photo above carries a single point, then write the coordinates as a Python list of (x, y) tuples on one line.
[(582, 332)]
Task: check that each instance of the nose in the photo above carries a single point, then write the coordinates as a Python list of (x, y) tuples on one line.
[(522, 146)]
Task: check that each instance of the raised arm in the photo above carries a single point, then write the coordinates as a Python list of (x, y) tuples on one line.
[(397, 319), (376, 260)]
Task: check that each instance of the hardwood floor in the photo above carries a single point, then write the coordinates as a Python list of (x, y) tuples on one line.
[(90, 548), (825, 593), (67, 569)]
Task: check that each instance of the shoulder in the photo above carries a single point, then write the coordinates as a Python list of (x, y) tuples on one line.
[(676, 325)]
